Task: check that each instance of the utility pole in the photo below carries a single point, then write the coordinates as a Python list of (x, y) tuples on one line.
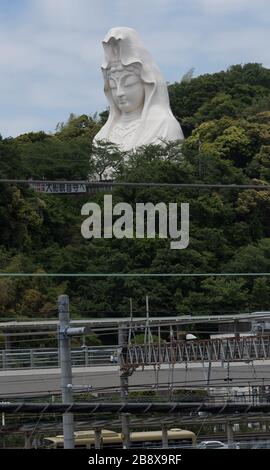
[(229, 429), (7, 340), (27, 440), (64, 334), (147, 333), (98, 439), (209, 368), (236, 329), (164, 436), (122, 341), (130, 330), (66, 369)]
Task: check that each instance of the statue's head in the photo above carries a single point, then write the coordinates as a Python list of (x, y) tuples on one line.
[(126, 86), (123, 82), (133, 82)]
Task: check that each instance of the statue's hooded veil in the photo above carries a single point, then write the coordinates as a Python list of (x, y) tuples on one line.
[(157, 121)]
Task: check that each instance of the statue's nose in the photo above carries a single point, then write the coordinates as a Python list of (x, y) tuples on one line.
[(120, 92)]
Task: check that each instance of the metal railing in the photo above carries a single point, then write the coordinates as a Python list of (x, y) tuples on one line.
[(49, 357)]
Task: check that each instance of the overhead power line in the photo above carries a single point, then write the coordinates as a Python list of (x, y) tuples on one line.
[(104, 275), (162, 387), (130, 407), (138, 184)]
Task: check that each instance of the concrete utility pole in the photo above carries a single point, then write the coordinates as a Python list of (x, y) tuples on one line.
[(164, 436), (209, 368), (27, 440), (122, 341), (66, 369), (229, 429), (98, 439), (7, 340), (64, 334)]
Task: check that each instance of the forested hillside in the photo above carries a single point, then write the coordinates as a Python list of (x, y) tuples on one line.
[(226, 121)]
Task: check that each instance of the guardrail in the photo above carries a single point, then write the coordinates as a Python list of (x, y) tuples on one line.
[(49, 357)]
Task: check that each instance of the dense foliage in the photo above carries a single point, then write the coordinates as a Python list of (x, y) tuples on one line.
[(226, 121)]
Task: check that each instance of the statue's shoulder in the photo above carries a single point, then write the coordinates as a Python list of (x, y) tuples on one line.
[(169, 128)]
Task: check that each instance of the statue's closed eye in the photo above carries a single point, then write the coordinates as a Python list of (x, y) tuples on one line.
[(131, 80), (126, 81)]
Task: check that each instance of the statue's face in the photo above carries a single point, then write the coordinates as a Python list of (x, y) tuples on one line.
[(127, 90)]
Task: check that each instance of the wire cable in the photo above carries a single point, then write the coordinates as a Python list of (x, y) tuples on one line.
[(139, 184), (143, 275)]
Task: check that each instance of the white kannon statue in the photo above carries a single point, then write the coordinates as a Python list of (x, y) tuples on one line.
[(140, 112)]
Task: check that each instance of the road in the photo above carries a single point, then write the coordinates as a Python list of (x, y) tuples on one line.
[(22, 382)]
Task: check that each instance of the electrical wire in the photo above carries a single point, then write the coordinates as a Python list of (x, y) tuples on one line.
[(138, 184), (200, 383), (142, 275)]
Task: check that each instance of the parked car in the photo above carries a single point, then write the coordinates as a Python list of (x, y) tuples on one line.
[(217, 445), (212, 445)]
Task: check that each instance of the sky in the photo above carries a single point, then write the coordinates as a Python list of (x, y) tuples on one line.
[(51, 51)]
